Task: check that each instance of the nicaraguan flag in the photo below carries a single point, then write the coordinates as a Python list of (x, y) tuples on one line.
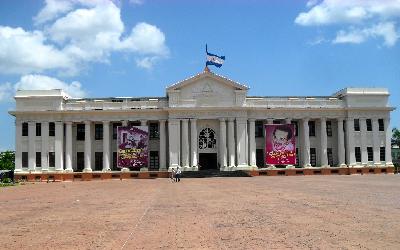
[(214, 59)]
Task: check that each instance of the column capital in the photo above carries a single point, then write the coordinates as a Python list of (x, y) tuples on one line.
[(251, 120), (162, 121), (106, 122), (288, 120), (305, 119), (222, 119), (193, 119), (185, 120), (322, 119), (340, 119), (68, 122), (87, 122), (231, 119), (270, 120)]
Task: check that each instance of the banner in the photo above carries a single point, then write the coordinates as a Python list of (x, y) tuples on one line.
[(133, 144), (280, 144)]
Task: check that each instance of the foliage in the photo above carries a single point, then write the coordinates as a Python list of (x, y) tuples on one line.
[(395, 137), (7, 160)]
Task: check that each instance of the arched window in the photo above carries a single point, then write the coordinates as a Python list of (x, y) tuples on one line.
[(207, 138)]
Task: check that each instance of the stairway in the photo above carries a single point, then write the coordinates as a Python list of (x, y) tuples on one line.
[(214, 173)]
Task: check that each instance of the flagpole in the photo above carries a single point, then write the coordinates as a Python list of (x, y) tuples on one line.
[(206, 69)]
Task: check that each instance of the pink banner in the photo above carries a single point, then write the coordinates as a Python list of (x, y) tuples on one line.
[(133, 143), (280, 144)]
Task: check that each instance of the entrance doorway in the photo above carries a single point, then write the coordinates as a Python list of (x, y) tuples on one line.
[(208, 161)]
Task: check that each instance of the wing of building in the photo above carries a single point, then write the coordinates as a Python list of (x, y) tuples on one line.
[(206, 120)]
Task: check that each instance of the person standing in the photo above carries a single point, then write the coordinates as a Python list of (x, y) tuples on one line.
[(178, 175), (173, 175)]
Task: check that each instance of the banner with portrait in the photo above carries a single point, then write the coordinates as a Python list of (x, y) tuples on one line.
[(133, 145), (280, 144)]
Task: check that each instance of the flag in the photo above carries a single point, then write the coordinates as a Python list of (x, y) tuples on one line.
[(214, 59)]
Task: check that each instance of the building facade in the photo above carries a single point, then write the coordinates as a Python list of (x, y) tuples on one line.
[(205, 121)]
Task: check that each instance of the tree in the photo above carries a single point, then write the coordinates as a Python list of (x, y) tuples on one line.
[(7, 160), (395, 137)]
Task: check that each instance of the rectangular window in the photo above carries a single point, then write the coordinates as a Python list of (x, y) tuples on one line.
[(38, 129), (344, 126), (98, 161), (115, 125), (329, 128), (52, 159), (382, 154), (369, 124), (313, 157), (114, 164), (24, 129), (260, 158), (358, 154), (311, 127), (381, 125), (24, 159), (38, 159), (296, 127), (154, 134), (356, 124), (154, 160), (80, 161), (259, 127), (297, 157), (370, 154), (98, 131), (80, 132), (52, 129), (330, 156)]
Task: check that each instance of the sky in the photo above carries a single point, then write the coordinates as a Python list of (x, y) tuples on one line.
[(98, 48)]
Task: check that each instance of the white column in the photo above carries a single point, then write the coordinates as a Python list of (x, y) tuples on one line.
[(18, 151), (388, 145), (124, 123), (231, 142), (32, 146), (45, 146), (174, 140), (252, 143), (241, 142), (68, 147), (88, 148), (59, 146), (269, 121), (306, 143), (363, 130), (376, 141), (143, 122), (351, 159), (289, 121), (162, 155), (341, 149), (185, 143), (222, 144), (324, 143), (193, 142), (106, 146)]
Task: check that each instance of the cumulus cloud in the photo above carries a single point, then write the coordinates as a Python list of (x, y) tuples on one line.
[(76, 33), (366, 19)]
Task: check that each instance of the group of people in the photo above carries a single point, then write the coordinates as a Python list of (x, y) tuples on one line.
[(176, 174)]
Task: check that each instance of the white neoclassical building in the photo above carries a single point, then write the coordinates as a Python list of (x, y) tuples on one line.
[(206, 120)]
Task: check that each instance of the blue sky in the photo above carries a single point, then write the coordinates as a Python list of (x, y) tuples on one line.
[(99, 48)]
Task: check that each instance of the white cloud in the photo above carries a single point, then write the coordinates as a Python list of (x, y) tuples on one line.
[(6, 91), (136, 2), (42, 82), (146, 62), (51, 10)]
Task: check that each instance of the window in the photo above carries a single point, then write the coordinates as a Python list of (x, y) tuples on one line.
[(207, 139), (382, 154), (370, 154), (356, 124), (311, 126), (38, 129), (330, 156), (80, 161), (80, 132), (329, 128), (98, 131), (38, 159), (52, 159), (52, 129), (358, 154), (259, 129), (98, 161), (25, 159), (381, 125), (313, 157), (114, 164), (154, 160), (296, 127), (297, 157), (260, 158), (369, 125), (154, 134), (25, 129), (344, 126), (115, 125)]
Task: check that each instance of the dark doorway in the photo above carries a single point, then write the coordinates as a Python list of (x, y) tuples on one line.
[(208, 161)]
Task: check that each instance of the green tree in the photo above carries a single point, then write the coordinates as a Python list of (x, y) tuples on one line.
[(395, 137), (7, 160)]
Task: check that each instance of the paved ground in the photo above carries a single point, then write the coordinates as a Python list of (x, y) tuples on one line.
[(301, 212)]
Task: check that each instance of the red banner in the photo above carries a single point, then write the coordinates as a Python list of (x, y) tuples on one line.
[(280, 144)]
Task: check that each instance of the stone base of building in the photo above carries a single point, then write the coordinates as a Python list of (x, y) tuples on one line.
[(119, 175)]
